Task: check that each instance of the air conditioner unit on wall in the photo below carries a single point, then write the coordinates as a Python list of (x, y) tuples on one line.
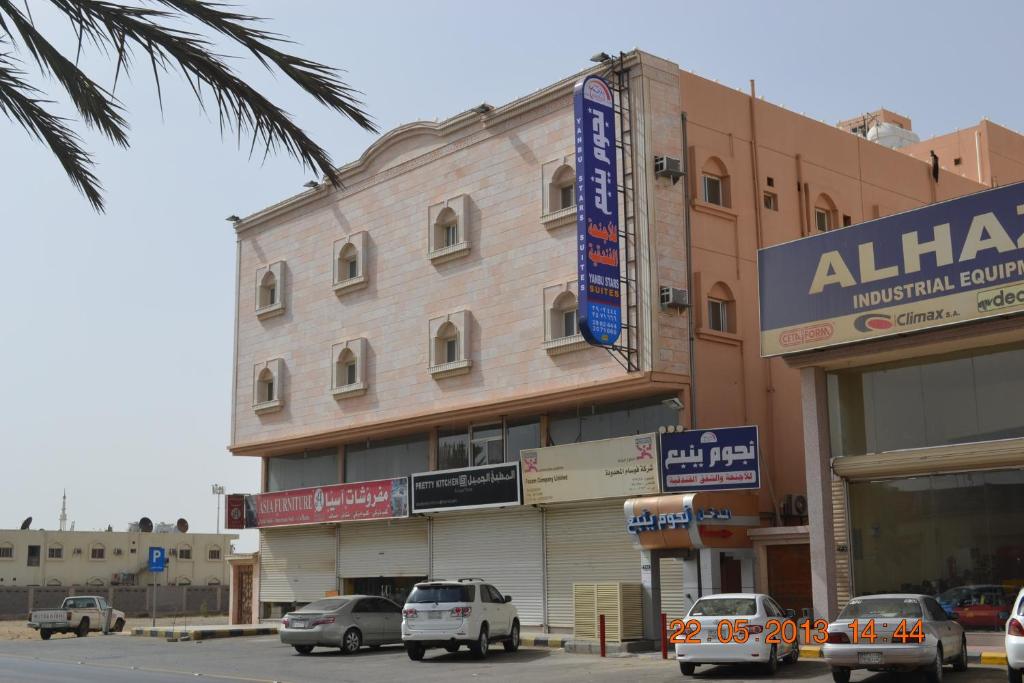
[(674, 297), (667, 167)]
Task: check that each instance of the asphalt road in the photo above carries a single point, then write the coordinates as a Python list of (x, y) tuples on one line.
[(122, 659)]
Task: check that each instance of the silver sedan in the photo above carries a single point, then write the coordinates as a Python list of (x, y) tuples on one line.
[(895, 632), (348, 622)]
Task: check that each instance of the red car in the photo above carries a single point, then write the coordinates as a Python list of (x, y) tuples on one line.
[(988, 608)]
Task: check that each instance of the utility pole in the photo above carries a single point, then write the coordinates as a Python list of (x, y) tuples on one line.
[(218, 491)]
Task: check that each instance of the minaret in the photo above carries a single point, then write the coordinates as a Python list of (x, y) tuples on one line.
[(64, 511)]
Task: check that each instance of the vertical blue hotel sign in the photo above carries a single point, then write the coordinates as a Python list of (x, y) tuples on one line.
[(597, 213)]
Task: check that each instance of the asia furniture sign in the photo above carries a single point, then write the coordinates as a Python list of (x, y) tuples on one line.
[(597, 212), (710, 460), (942, 264), (381, 499), (469, 487), (611, 468)]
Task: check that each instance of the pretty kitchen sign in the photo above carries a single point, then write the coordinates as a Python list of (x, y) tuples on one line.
[(367, 500), (466, 488)]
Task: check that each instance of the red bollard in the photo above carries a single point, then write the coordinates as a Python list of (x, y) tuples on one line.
[(600, 634), (664, 636)]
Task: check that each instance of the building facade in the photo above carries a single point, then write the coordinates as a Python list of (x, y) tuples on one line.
[(31, 557), (423, 319)]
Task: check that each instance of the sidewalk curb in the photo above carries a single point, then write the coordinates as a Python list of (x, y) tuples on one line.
[(990, 657), (554, 642), (204, 633)]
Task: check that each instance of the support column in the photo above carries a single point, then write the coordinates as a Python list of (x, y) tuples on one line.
[(710, 571), (817, 453), (650, 581)]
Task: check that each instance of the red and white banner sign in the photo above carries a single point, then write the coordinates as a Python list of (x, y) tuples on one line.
[(234, 511), (366, 500)]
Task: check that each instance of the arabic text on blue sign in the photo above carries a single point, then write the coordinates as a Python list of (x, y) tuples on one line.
[(157, 559), (674, 520), (597, 213), (710, 460), (941, 264)]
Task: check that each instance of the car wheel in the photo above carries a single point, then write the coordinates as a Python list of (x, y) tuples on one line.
[(351, 641), (686, 668), (118, 625), (415, 651), (452, 647), (303, 649), (841, 675), (1013, 675), (772, 665), (961, 662), (934, 672), (512, 644), (83, 628), (482, 644), (45, 633)]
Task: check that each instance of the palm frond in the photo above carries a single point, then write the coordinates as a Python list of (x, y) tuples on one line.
[(19, 102), (96, 105)]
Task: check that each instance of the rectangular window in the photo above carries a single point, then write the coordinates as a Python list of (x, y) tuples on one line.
[(97, 553), (718, 315), (713, 190), (521, 435), (184, 553), (350, 373), (213, 555), (567, 196), (451, 350), (847, 221), (771, 201), (33, 556), (352, 267), (488, 445), (302, 470), (6, 552), (452, 450), (569, 323), (387, 459), (55, 553), (269, 385), (451, 235), (590, 423), (823, 220), (271, 295)]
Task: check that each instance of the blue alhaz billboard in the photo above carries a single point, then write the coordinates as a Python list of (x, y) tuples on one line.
[(942, 264), (597, 213), (710, 460)]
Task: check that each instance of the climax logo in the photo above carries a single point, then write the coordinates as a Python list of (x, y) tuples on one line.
[(872, 322)]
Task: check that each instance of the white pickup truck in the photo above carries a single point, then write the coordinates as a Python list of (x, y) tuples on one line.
[(78, 615)]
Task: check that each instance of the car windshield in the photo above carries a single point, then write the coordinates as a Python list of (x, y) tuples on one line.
[(724, 607), (442, 593), (882, 608), (328, 605)]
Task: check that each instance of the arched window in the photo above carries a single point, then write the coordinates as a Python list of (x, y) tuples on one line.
[(447, 344), (184, 552), (346, 369), (213, 581), (446, 229), (715, 185), (268, 290), (53, 582), (55, 551), (183, 581), (562, 190), (97, 552), (721, 309), (266, 389), (348, 263), (95, 581), (564, 316), (826, 213)]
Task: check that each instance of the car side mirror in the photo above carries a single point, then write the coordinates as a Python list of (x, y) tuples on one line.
[(791, 614), (508, 598)]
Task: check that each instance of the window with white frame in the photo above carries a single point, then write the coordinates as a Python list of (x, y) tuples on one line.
[(448, 234), (718, 315), (713, 189), (563, 189), (55, 552), (348, 374), (449, 345), (721, 309), (270, 290), (213, 553), (565, 322), (826, 213), (561, 319), (268, 395), (350, 263), (822, 220), (715, 183), (97, 552)]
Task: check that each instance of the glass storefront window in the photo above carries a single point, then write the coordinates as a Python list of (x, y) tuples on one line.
[(301, 470), (954, 399), (386, 459), (452, 450), (956, 536), (591, 423), (520, 435), (488, 445)]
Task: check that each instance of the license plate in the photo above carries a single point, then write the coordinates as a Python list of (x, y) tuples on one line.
[(433, 615), (712, 637), (299, 623), (869, 658)]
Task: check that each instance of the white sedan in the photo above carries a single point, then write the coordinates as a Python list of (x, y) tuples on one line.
[(735, 628), (1015, 640)]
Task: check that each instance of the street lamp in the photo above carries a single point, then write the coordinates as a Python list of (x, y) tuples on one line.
[(218, 491)]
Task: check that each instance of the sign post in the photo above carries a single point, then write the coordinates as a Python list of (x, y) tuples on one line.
[(157, 562), (597, 213)]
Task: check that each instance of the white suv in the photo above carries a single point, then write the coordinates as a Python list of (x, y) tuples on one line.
[(449, 614)]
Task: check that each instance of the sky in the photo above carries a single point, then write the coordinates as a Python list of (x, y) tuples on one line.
[(116, 329)]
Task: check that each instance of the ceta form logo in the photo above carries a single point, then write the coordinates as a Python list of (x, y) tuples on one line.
[(872, 322)]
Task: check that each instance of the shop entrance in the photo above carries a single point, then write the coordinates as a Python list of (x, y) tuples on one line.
[(732, 574), (789, 576), (396, 588)]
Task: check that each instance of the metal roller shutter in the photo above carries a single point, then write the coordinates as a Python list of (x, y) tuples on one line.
[(673, 602), (585, 544), (396, 547), (297, 563), (503, 547)]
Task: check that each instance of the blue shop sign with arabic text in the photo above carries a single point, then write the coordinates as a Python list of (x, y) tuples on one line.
[(710, 460)]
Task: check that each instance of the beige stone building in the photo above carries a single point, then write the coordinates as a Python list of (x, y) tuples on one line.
[(422, 318), (31, 557)]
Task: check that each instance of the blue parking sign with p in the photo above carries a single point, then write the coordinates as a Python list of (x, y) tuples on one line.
[(157, 559)]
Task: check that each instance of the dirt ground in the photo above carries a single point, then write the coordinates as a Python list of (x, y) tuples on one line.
[(17, 630)]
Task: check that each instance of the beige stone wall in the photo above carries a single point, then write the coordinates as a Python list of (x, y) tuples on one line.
[(77, 568)]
